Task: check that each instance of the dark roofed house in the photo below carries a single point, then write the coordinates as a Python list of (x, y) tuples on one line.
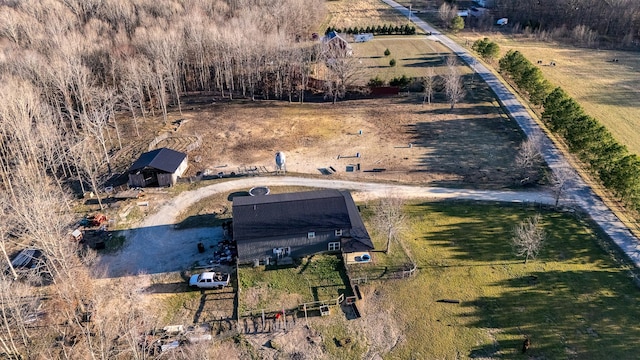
[(297, 224), (160, 167)]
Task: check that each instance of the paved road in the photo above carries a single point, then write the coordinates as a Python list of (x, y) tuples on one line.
[(578, 191), (156, 247)]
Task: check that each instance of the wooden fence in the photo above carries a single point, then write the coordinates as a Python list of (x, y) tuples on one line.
[(265, 321), (156, 141)]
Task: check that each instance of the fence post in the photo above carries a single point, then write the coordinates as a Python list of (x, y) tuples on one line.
[(284, 317)]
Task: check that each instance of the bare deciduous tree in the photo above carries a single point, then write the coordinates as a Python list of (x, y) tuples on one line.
[(528, 237), (529, 159), (447, 12), (428, 85), (390, 219), (453, 86), (561, 179), (18, 309)]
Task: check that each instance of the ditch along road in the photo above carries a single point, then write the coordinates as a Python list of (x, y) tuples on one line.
[(156, 246), (578, 191)]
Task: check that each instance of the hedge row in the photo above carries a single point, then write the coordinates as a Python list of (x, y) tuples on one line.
[(376, 30), (618, 169), (610, 161), (526, 76)]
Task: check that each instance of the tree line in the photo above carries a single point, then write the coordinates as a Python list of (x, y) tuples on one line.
[(614, 22), (376, 30), (67, 69), (594, 145)]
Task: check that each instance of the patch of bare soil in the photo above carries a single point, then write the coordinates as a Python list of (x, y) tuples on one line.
[(392, 139), (299, 342), (379, 325)]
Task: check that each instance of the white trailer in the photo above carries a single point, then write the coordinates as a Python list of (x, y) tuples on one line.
[(362, 37)]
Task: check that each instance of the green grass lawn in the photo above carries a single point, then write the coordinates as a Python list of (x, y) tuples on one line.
[(574, 301), (316, 278), (413, 54)]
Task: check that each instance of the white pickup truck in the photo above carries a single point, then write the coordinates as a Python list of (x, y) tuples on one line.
[(209, 280)]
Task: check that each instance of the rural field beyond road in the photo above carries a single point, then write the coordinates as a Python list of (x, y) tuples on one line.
[(156, 247), (580, 191)]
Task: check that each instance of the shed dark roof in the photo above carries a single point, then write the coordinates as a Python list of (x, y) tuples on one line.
[(163, 159), (297, 213)]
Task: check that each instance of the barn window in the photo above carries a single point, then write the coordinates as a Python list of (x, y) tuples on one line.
[(311, 234), (334, 246), (339, 232)]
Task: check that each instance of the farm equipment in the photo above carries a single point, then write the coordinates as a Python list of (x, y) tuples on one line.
[(94, 220), (97, 220)]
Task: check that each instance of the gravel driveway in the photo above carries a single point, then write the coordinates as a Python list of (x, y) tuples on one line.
[(156, 247)]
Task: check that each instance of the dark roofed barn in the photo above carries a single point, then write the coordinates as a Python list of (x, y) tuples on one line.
[(297, 224), (160, 167)]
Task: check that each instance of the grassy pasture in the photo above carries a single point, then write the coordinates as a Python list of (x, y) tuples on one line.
[(607, 90), (361, 13), (573, 302), (412, 54)]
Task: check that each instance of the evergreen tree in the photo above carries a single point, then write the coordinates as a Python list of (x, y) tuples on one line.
[(457, 24)]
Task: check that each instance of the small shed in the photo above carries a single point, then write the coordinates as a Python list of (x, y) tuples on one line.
[(362, 37), (160, 167)]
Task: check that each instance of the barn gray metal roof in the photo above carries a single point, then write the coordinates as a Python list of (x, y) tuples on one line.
[(297, 213), (163, 159)]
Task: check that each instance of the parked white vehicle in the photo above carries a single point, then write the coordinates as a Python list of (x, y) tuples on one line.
[(209, 280)]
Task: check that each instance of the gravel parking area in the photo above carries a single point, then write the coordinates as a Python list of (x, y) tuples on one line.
[(158, 249)]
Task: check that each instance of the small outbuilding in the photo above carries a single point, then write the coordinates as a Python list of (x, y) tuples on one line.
[(160, 167)]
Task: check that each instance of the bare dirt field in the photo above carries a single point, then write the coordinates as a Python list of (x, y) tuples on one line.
[(395, 139)]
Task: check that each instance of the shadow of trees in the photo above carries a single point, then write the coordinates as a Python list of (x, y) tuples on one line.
[(574, 301), (471, 150), (587, 314), (477, 237)]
